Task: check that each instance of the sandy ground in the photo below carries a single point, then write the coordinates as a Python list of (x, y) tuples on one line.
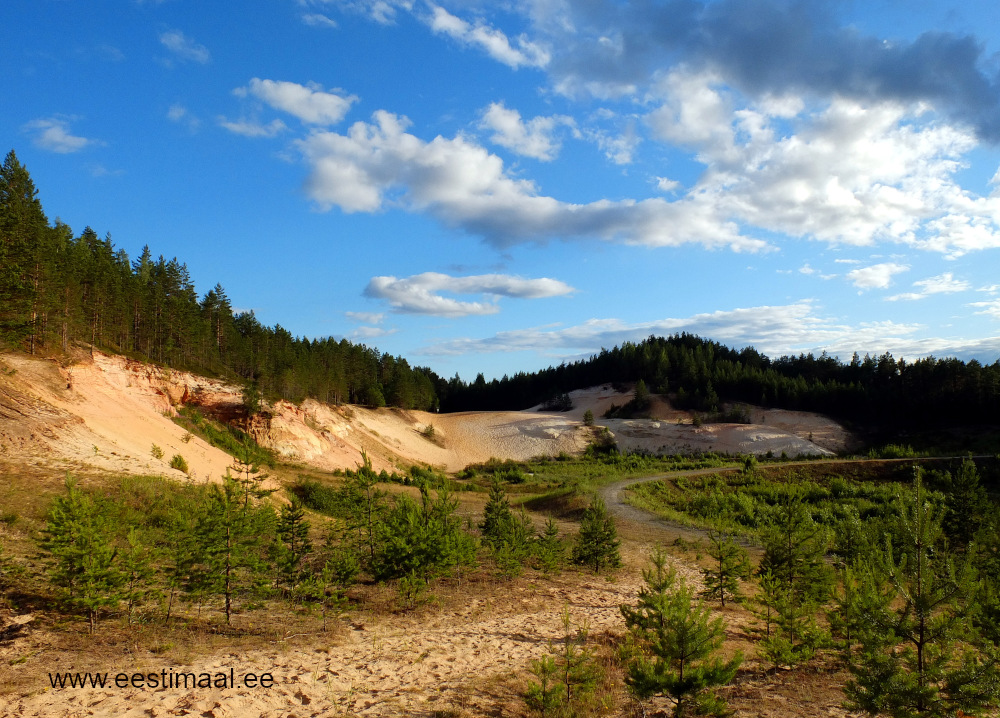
[(390, 666), (108, 412)]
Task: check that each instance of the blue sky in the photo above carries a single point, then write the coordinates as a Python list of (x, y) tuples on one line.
[(500, 186)]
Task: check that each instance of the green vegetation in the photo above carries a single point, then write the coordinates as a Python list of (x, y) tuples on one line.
[(567, 676), (678, 641), (179, 462), (747, 504), (597, 545), (229, 438), (918, 655), (730, 564)]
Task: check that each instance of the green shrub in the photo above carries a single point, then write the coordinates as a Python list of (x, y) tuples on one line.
[(179, 462)]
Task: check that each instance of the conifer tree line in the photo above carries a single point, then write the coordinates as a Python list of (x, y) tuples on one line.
[(699, 374), (57, 288)]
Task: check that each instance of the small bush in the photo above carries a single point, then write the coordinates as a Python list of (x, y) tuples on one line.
[(179, 462), (157, 452)]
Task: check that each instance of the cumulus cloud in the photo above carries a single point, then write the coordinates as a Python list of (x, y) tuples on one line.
[(775, 330), (53, 134), (184, 48), (941, 284), (877, 276), (765, 49), (250, 128), (847, 174), (423, 293), (378, 164), (534, 138), (493, 41), (619, 147), (310, 103)]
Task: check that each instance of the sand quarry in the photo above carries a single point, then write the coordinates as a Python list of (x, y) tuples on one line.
[(107, 412), (466, 655)]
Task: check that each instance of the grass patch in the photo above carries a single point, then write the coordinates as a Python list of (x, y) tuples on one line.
[(230, 439)]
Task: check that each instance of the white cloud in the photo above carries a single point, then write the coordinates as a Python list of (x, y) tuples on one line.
[(496, 44), (877, 276), (365, 317), (534, 138), (381, 11), (619, 148), (249, 128), (849, 173), (774, 330), (53, 134), (991, 308), (422, 293), (372, 332), (941, 284), (184, 47), (311, 103), (180, 114), (665, 184), (318, 20), (378, 164)]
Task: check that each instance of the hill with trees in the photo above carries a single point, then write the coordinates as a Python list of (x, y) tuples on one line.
[(699, 374)]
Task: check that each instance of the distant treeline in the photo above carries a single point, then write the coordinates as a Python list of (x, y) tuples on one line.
[(699, 374), (57, 288)]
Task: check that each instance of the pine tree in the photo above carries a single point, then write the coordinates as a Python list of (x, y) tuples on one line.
[(679, 640), (294, 546), (730, 563), (420, 541), (545, 696), (84, 561), (22, 223), (506, 535), (794, 550), (549, 548), (597, 545), (920, 653), (370, 501), (137, 572), (230, 536), (967, 504)]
